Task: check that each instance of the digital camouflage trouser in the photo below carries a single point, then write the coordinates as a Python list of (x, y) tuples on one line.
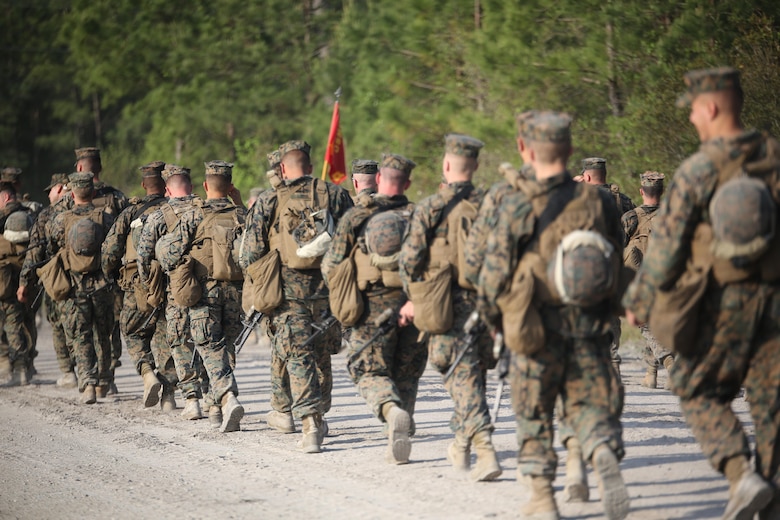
[(738, 344), (467, 384), (580, 371), (148, 345), (12, 316), (215, 323), (64, 353), (390, 368)]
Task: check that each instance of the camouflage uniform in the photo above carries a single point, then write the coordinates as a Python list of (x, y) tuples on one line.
[(308, 373), (145, 345), (88, 312), (215, 320), (12, 312), (466, 386), (388, 370), (574, 361), (739, 341), (176, 319), (29, 278)]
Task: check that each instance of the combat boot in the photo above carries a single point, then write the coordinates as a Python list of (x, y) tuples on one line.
[(542, 505), (614, 496), (215, 416), (151, 387), (576, 487), (232, 413), (168, 400), (748, 492), (89, 396), (487, 467), (651, 378), (459, 454), (398, 444), (668, 364), (310, 443), (192, 409), (67, 380), (281, 421)]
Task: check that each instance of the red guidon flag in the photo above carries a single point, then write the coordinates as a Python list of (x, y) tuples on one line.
[(335, 166)]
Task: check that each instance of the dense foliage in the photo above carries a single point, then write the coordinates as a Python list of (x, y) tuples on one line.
[(192, 81)]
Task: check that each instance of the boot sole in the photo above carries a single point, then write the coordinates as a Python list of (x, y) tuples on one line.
[(151, 396), (287, 427), (762, 497), (232, 420), (614, 495), (486, 476), (399, 443)]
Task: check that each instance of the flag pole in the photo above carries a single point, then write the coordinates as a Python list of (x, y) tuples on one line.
[(333, 128)]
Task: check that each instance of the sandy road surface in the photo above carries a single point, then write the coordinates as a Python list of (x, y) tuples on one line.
[(60, 459)]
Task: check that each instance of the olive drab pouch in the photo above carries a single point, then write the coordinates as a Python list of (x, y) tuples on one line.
[(432, 299), (674, 318), (214, 244), (154, 293), (346, 299), (459, 213), (184, 285), (55, 278), (7, 285), (521, 322), (266, 275)]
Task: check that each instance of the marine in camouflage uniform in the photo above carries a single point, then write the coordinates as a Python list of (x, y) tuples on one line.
[(737, 341), (305, 299), (12, 176), (388, 371), (181, 200), (636, 225), (114, 201), (364, 177), (88, 310), (215, 320), (574, 361), (10, 204), (594, 171), (147, 344), (14, 239), (57, 190), (466, 385)]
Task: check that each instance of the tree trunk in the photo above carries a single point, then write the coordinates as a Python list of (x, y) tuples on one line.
[(612, 82), (96, 116)]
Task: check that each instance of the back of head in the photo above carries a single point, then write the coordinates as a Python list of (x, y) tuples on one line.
[(219, 178), (394, 174), (295, 159), (461, 154), (594, 170), (82, 185), (549, 137), (88, 160), (177, 180), (652, 185), (151, 177)]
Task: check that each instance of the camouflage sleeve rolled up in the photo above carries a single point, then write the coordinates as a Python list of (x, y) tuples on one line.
[(254, 243), (344, 240), (414, 250), (669, 245), (37, 252), (113, 248), (630, 224), (514, 224), (483, 226)]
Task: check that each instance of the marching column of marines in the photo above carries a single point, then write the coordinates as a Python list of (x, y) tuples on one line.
[(530, 277)]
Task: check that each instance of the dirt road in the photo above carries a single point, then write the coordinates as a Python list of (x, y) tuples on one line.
[(60, 459)]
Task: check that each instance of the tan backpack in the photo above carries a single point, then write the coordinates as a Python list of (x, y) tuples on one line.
[(298, 206), (76, 261), (213, 248), (459, 214), (634, 252), (10, 267)]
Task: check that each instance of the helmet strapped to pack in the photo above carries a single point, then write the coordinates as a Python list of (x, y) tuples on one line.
[(743, 217), (384, 234), (85, 237), (582, 269), (17, 227)]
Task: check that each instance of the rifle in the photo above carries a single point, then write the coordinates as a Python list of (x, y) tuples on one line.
[(249, 322), (151, 316), (502, 369), (386, 322), (36, 303), (328, 321), (473, 328)]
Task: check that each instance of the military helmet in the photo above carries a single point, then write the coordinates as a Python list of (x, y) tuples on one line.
[(85, 237), (17, 227), (743, 217), (582, 269), (314, 233), (384, 233)]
